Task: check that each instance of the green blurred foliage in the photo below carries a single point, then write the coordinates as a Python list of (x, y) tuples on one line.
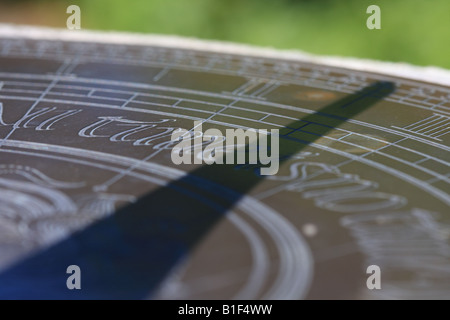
[(414, 31)]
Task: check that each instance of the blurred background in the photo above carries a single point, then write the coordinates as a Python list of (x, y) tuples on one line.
[(413, 31)]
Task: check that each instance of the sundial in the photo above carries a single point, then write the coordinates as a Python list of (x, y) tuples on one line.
[(86, 176)]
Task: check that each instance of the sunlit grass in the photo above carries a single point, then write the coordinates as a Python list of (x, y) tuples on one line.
[(414, 31)]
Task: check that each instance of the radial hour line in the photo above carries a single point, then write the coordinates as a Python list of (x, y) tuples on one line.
[(66, 63), (17, 124), (104, 186)]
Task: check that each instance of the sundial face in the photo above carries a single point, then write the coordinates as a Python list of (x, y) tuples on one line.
[(86, 178)]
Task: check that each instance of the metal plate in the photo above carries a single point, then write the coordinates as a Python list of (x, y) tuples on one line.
[(86, 178)]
